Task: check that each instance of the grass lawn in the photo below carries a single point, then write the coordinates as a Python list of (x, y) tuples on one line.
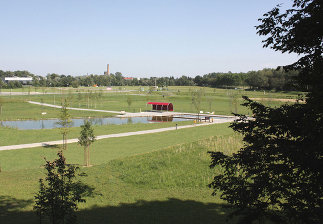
[(219, 101), (153, 178), (16, 109), (12, 136), (157, 178), (108, 149)]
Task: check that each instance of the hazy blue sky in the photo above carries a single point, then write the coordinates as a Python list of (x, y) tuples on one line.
[(138, 38)]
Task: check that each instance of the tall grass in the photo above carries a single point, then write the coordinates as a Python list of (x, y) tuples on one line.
[(183, 165)]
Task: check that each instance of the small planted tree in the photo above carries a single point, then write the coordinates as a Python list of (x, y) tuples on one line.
[(100, 96), (210, 101), (59, 192), (65, 123), (234, 102), (129, 101), (86, 138), (79, 98), (197, 100)]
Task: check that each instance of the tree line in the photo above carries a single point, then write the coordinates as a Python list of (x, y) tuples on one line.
[(267, 79), (270, 79)]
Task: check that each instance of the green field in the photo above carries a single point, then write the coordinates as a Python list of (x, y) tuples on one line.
[(219, 101), (165, 172), (12, 136), (152, 178), (17, 109)]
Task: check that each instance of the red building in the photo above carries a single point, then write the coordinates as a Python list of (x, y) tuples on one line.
[(161, 106)]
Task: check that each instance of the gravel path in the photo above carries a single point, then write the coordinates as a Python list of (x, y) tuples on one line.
[(49, 143)]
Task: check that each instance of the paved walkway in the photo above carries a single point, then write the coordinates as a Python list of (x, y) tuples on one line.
[(74, 108), (23, 93), (14, 93), (50, 143), (120, 113)]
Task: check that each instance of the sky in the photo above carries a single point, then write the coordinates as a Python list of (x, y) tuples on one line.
[(139, 38)]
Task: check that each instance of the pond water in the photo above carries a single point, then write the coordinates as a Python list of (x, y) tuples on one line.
[(49, 124)]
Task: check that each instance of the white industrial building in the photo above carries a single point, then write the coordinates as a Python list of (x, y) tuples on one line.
[(24, 80)]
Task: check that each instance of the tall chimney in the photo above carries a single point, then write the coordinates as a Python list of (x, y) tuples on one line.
[(108, 71)]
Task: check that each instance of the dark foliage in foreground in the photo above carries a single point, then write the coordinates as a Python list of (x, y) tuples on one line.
[(279, 171), (278, 174), (59, 193)]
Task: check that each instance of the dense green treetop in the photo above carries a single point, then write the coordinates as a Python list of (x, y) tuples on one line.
[(278, 174)]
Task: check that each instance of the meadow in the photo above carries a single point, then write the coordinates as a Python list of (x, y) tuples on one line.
[(137, 175), (152, 178), (132, 99), (12, 136)]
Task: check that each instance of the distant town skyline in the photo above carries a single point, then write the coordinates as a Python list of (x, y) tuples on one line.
[(137, 38)]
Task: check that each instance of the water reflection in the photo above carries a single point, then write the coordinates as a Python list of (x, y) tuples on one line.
[(161, 119)]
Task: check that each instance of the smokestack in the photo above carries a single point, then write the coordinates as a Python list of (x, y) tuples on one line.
[(108, 71)]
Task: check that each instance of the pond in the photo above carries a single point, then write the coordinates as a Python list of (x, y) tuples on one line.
[(49, 124)]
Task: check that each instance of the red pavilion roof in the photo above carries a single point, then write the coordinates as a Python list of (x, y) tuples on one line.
[(159, 103)]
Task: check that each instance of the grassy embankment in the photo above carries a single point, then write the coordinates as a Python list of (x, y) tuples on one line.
[(155, 178)]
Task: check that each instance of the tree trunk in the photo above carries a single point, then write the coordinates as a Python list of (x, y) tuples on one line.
[(65, 141), (85, 156), (63, 146), (88, 156)]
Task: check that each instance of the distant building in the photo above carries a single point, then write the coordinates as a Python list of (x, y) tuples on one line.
[(24, 80), (108, 70), (161, 106), (128, 78)]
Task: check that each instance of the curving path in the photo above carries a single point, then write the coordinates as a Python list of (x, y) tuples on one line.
[(73, 108), (49, 143)]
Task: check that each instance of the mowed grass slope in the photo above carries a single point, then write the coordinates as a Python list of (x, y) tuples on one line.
[(108, 149), (164, 186)]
